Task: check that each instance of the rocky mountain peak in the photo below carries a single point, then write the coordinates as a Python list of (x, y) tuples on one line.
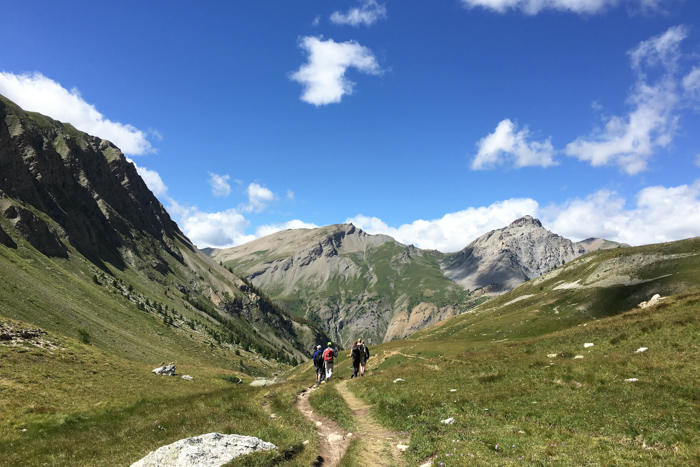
[(526, 221)]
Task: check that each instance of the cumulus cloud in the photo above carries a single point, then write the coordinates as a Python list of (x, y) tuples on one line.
[(660, 214), (35, 92), (506, 143), (269, 229), (290, 195), (532, 7), (453, 231), (219, 184), (631, 141), (367, 15), (323, 76), (258, 198), (213, 229), (153, 181)]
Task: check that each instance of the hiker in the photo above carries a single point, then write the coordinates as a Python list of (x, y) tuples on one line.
[(318, 363), (364, 357), (328, 355), (356, 354)]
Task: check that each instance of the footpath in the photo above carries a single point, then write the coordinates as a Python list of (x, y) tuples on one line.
[(377, 445)]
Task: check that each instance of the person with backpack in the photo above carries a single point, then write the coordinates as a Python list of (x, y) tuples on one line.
[(318, 363), (328, 355), (364, 357), (356, 354)]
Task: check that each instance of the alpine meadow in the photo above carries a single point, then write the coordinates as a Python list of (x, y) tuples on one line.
[(352, 233)]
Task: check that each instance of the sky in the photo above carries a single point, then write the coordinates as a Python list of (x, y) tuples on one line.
[(430, 121)]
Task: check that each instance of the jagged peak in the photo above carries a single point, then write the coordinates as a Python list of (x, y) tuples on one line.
[(526, 220)]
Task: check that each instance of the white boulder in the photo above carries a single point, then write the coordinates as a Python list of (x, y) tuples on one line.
[(210, 450)]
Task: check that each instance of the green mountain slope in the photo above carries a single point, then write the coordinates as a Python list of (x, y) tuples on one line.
[(85, 246)]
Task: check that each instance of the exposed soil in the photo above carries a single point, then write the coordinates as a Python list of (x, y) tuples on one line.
[(379, 445), (333, 440)]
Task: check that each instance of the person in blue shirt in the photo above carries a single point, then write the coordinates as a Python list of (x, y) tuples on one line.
[(318, 363)]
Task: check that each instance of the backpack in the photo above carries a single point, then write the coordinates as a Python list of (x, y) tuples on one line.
[(366, 349), (318, 358), (328, 355)]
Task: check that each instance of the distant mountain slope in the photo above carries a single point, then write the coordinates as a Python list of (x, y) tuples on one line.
[(505, 258), (85, 245), (599, 284), (595, 244), (353, 284)]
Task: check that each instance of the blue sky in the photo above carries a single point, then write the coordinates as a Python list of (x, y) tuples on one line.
[(433, 122)]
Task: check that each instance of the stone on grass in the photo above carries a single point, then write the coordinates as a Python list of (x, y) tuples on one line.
[(453, 390), (335, 437), (448, 421), (631, 380), (211, 450), (578, 356), (187, 377), (167, 370), (551, 355), (401, 447), (641, 349), (653, 301), (588, 344), (398, 379)]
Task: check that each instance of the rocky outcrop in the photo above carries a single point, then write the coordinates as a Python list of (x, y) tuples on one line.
[(84, 186), (505, 258), (212, 450)]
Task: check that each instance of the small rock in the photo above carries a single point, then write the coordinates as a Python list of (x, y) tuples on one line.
[(349, 435), (578, 356), (641, 349), (167, 370), (335, 437), (448, 421), (401, 447), (319, 423), (273, 416), (187, 377), (551, 355), (305, 442), (398, 379), (453, 390), (588, 344), (632, 380)]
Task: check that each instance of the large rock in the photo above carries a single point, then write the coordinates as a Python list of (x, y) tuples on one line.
[(210, 450)]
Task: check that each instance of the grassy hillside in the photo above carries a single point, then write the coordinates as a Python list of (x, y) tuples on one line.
[(544, 379)]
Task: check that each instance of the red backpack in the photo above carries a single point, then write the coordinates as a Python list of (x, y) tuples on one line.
[(328, 355)]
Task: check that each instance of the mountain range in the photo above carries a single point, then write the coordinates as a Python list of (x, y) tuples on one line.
[(354, 284)]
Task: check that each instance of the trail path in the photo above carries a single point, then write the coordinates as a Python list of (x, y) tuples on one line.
[(333, 440), (379, 445)]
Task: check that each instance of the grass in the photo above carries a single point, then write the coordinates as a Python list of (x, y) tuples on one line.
[(76, 405), (327, 401), (512, 402)]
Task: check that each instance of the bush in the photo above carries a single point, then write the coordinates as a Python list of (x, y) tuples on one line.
[(84, 336)]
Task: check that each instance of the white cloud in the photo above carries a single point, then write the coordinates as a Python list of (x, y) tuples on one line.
[(660, 215), (213, 229), (368, 14), (35, 92), (691, 82), (532, 7), (631, 141), (258, 198), (219, 184), (264, 230), (697, 160), (153, 181), (323, 76), (455, 230), (290, 195), (316, 21), (506, 143)]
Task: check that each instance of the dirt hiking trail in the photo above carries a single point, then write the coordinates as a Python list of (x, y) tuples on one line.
[(332, 439), (377, 445)]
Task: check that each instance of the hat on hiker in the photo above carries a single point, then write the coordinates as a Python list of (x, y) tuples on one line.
[(329, 344), (318, 346)]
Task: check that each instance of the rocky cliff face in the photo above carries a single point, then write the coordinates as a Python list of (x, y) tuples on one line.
[(82, 183), (505, 258)]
